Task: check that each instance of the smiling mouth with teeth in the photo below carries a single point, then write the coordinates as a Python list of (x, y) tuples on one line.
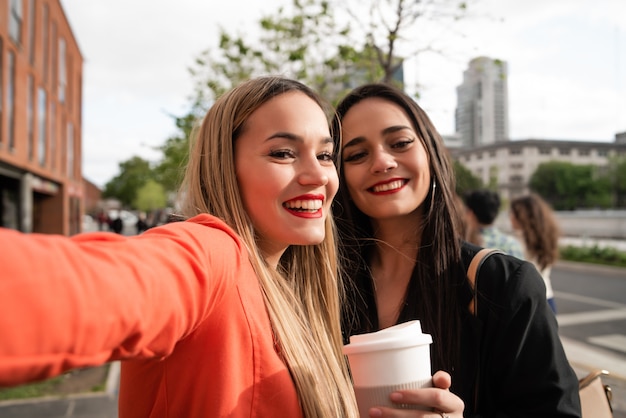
[(393, 185), (311, 206)]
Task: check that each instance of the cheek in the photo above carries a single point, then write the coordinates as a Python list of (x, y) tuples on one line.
[(333, 184)]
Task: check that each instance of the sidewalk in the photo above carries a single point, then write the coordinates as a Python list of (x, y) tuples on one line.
[(89, 405), (585, 358)]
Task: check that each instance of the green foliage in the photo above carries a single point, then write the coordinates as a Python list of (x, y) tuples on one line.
[(617, 178), (595, 255), (304, 42), (150, 196), (31, 390), (170, 169), (134, 173), (568, 186), (465, 179)]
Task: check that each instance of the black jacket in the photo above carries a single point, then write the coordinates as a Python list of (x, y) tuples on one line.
[(512, 348)]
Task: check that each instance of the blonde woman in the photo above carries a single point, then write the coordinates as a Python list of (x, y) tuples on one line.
[(533, 219), (232, 312)]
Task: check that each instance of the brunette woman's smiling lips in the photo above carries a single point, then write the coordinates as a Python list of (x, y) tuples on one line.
[(306, 206), (388, 186)]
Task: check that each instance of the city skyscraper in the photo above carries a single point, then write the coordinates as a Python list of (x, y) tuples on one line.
[(482, 112)]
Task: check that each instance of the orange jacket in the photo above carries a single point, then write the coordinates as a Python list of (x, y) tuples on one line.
[(180, 302)]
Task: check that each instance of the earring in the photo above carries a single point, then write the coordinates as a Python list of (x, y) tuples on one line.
[(432, 194)]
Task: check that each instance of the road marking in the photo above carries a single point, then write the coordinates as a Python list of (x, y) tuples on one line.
[(615, 342), (587, 299), (589, 357), (589, 317)]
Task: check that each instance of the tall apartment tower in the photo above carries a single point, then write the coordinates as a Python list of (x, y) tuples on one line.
[(482, 112), (41, 66)]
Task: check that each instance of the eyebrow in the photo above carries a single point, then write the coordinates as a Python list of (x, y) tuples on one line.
[(389, 130), (293, 137)]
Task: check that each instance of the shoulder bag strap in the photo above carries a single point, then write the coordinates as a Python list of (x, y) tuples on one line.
[(472, 275)]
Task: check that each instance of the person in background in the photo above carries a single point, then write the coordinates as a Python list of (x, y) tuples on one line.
[(102, 219), (397, 216), (117, 225), (483, 207), (141, 225), (534, 221), (233, 312)]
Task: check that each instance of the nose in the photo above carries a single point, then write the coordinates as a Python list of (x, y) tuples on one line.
[(314, 173), (382, 162)]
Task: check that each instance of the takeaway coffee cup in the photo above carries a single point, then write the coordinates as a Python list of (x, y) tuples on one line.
[(391, 359)]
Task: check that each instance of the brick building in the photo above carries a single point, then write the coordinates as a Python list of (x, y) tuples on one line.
[(41, 186)]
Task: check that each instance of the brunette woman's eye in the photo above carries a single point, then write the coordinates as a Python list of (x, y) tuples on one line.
[(356, 156), (402, 143)]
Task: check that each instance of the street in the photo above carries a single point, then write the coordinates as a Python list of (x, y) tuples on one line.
[(591, 303)]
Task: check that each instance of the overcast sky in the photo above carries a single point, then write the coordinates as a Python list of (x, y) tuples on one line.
[(566, 60)]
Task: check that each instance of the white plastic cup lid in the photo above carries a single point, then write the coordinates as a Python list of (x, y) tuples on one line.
[(407, 334)]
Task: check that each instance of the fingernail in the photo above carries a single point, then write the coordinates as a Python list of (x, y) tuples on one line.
[(396, 397), (375, 412)]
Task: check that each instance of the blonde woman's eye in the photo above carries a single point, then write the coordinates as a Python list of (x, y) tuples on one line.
[(326, 156), (282, 154)]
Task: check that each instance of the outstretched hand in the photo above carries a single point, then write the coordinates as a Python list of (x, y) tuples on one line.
[(437, 401)]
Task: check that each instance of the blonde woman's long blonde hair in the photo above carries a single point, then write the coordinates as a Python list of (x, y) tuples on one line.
[(302, 298)]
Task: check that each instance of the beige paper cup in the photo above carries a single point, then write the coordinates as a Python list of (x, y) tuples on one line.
[(391, 359)]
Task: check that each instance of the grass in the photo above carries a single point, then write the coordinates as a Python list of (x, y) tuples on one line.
[(595, 255), (78, 381)]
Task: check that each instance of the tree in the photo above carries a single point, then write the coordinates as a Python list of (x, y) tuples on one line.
[(150, 196), (568, 186), (617, 178), (465, 179), (389, 25), (170, 169), (134, 173), (305, 41)]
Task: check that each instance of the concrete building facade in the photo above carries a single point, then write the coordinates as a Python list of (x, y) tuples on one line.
[(511, 164), (41, 186), (482, 112)]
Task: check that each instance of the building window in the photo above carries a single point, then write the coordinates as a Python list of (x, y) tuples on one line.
[(492, 153), (515, 151), (53, 135), (545, 151), (41, 122), (11, 100), (62, 70), (70, 150), (30, 116), (31, 31), (603, 153), (564, 151), (516, 179), (44, 44), (15, 20), (584, 152)]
